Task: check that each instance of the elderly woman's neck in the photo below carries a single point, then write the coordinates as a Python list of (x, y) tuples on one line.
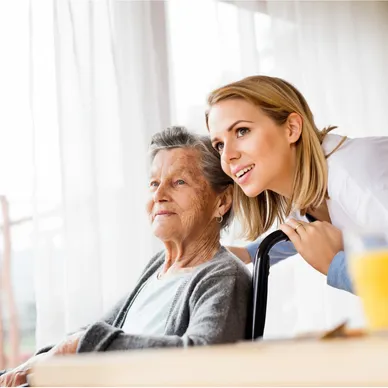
[(192, 251)]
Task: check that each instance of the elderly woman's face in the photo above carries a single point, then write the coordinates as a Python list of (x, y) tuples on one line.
[(181, 201)]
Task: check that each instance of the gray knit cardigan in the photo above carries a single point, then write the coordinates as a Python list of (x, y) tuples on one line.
[(210, 307)]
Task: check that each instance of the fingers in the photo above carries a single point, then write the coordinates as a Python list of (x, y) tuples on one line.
[(300, 227), (316, 242), (291, 234), (13, 379), (19, 379)]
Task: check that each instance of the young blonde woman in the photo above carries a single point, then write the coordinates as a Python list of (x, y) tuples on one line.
[(314, 182)]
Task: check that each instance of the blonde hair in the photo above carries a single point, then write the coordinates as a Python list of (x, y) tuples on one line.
[(278, 99)]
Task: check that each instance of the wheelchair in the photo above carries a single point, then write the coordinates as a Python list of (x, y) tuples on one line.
[(258, 308)]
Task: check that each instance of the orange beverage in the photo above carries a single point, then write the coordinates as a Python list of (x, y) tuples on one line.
[(369, 270)]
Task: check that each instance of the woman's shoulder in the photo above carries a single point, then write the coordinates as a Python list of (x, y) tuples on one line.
[(358, 179), (223, 264), (363, 159), (340, 148)]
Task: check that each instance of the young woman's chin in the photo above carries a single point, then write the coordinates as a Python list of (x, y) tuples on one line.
[(251, 190), (252, 183)]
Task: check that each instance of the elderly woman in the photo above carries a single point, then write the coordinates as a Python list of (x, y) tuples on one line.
[(194, 292)]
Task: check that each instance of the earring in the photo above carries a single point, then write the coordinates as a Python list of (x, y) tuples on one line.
[(220, 219)]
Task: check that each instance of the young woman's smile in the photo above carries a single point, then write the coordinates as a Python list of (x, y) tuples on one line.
[(255, 151)]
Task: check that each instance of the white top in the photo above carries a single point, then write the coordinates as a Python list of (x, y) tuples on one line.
[(149, 311), (358, 191), (358, 182)]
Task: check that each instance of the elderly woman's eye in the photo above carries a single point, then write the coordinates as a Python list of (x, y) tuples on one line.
[(153, 184), (219, 147), (180, 182), (242, 131)]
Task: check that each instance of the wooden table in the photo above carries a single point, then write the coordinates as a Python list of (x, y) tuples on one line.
[(354, 362)]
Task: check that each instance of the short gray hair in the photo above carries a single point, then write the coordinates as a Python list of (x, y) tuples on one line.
[(180, 137)]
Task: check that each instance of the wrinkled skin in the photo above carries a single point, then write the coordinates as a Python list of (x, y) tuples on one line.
[(190, 231), (18, 375)]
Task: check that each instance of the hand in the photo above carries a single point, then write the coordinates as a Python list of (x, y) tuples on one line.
[(18, 375), (14, 377), (68, 346), (317, 242)]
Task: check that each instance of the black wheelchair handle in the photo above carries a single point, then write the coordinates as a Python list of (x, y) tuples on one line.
[(260, 282)]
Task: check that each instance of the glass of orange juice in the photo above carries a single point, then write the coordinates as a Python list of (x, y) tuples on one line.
[(367, 254)]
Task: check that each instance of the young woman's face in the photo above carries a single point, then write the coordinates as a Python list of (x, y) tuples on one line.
[(255, 152)]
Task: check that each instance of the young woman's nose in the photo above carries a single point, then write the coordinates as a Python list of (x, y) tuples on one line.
[(230, 152)]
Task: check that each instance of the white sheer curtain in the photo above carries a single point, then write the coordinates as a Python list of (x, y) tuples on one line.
[(100, 86), (98, 91), (335, 53)]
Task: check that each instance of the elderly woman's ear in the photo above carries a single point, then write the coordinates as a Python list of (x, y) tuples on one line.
[(224, 203)]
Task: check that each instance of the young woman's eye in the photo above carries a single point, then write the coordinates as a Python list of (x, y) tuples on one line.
[(219, 147), (242, 131)]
